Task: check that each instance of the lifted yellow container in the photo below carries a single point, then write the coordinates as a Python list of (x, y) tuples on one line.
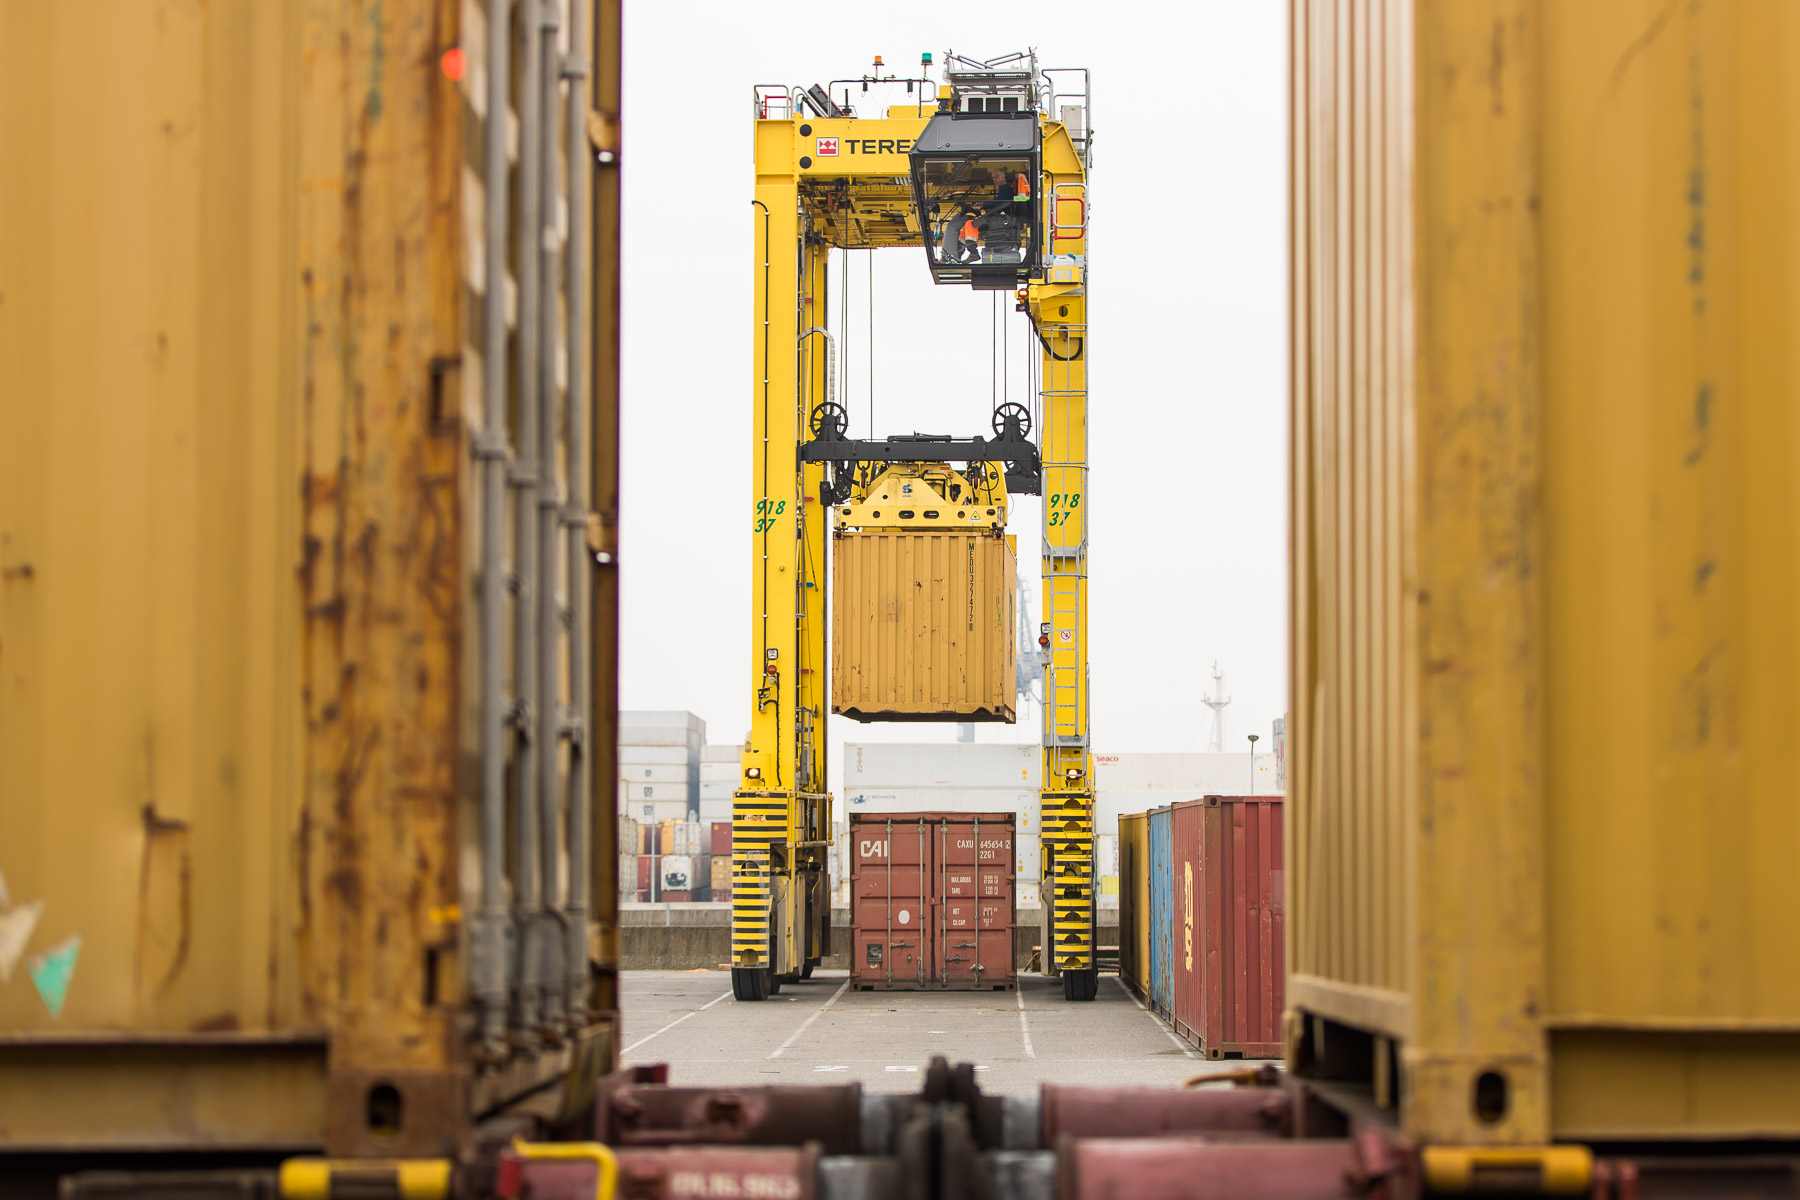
[(923, 626), (1546, 529)]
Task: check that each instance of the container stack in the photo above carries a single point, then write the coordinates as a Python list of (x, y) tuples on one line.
[(686, 865), (719, 769), (1202, 919), (719, 837), (628, 857), (659, 765)]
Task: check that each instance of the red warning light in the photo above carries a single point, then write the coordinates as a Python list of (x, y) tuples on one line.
[(452, 62)]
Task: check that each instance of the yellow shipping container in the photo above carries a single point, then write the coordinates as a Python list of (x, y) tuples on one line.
[(1134, 901), (245, 896), (923, 626), (1546, 521)]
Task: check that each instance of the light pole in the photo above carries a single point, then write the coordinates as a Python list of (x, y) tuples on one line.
[(1252, 764)]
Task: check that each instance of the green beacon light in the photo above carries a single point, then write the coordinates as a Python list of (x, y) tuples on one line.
[(925, 58)]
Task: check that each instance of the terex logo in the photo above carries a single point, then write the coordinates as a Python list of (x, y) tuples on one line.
[(827, 147)]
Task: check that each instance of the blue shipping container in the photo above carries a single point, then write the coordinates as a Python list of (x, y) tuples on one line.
[(1162, 913)]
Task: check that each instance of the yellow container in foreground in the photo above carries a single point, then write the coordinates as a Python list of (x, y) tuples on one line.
[(923, 626), (240, 247), (1545, 811)]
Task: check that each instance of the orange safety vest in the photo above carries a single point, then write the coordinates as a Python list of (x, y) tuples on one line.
[(1021, 186), (969, 232)]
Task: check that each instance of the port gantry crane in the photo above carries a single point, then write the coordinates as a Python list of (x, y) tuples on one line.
[(988, 173)]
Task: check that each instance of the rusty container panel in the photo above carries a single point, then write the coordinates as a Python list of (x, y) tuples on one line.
[(1544, 474), (890, 897), (923, 626), (1134, 902), (736, 1171), (1199, 1168), (932, 900), (239, 530), (1229, 922), (1159, 843)]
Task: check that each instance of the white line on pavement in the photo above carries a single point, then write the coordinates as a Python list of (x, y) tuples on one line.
[(806, 1024), (1024, 1029), (671, 1025), (1183, 1046)]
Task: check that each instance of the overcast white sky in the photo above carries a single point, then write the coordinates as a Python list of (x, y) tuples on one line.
[(1187, 377)]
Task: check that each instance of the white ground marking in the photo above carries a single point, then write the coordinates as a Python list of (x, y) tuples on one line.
[(903, 1068), (1024, 1029), (821, 1068), (1158, 1020), (671, 1025), (806, 1024)]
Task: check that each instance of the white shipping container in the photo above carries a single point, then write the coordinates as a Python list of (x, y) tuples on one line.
[(942, 799), (662, 718), (1192, 775), (642, 728), (1028, 893), (684, 837), (628, 874), (717, 753), (881, 766), (716, 790), (636, 792), (656, 812), (714, 810), (721, 772), (670, 756), (1030, 856), (678, 872), (628, 834), (670, 773)]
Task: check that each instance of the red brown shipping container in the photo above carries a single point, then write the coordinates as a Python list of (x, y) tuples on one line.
[(720, 839), (1228, 918), (931, 901)]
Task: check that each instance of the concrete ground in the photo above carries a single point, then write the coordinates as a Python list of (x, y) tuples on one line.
[(819, 1031)]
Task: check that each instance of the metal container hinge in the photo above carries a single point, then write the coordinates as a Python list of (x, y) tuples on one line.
[(487, 445)]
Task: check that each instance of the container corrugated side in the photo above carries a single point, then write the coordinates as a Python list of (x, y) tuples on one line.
[(922, 626), (1544, 468), (1134, 902), (1229, 958), (242, 277), (1160, 846)]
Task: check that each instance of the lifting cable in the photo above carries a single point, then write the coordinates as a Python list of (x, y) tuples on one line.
[(844, 333), (994, 354), (871, 347)]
